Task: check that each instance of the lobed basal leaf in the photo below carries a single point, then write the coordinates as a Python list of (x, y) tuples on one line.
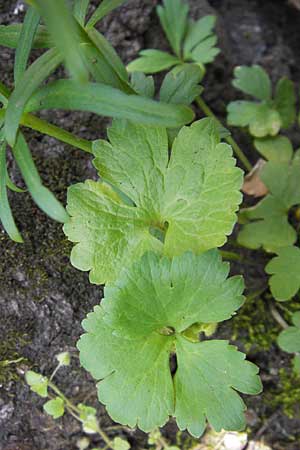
[(127, 348), (146, 200)]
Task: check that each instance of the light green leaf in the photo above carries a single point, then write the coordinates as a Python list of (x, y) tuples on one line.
[(253, 81), (270, 227), (296, 364), (10, 35), (261, 118), (80, 10), (64, 358), (103, 9), (173, 18), (108, 101), (12, 186), (198, 32), (143, 317), (29, 28), (285, 102), (30, 81), (142, 84), (285, 273), (276, 149), (65, 33), (120, 444), (37, 382), (44, 198), (181, 85), (6, 216), (88, 418), (205, 52), (55, 407), (289, 340), (152, 61), (197, 213), (296, 319)]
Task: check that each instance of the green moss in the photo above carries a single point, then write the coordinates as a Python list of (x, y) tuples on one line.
[(287, 394), (10, 358), (253, 325)]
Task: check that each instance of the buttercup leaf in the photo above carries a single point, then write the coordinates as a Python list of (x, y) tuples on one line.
[(152, 61), (284, 271), (276, 149), (166, 216), (285, 102), (146, 313), (269, 226), (253, 81), (289, 340), (181, 85)]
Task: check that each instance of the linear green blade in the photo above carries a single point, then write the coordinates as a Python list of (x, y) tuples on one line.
[(25, 42), (44, 198), (10, 35), (105, 8), (80, 10)]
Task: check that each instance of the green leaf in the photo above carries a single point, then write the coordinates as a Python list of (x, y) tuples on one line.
[(285, 274), (140, 323), (173, 18), (152, 61), (10, 35), (285, 102), (181, 85), (64, 358), (296, 319), (120, 444), (253, 81), (80, 10), (262, 119), (108, 101), (65, 33), (6, 216), (88, 418), (276, 149), (142, 84), (270, 227), (198, 32), (103, 9), (37, 382), (12, 186), (205, 52), (296, 365), (195, 214), (45, 200), (30, 81), (29, 28), (289, 340), (55, 407)]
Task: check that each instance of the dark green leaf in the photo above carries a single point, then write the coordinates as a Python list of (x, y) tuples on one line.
[(66, 35), (142, 84), (26, 39), (285, 102), (10, 34), (80, 10), (30, 81), (40, 194), (181, 85), (103, 9), (152, 61), (5, 211), (107, 101), (173, 18)]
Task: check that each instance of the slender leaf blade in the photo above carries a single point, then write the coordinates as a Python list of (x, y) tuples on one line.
[(31, 22), (6, 216), (103, 9), (108, 101), (30, 81), (10, 35), (44, 198), (80, 10), (152, 61)]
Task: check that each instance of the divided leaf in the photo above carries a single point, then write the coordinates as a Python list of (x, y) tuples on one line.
[(148, 201), (289, 340), (269, 226), (141, 321), (285, 273), (181, 85), (265, 116), (152, 61)]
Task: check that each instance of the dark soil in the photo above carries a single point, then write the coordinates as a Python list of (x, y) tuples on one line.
[(43, 298)]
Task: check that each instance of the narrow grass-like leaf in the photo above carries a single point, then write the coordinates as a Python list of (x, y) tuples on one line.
[(80, 10), (6, 217), (26, 38), (103, 9), (44, 198), (107, 101), (12, 185), (30, 81), (10, 34), (65, 33)]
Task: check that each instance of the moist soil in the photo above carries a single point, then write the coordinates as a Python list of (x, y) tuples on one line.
[(43, 299)]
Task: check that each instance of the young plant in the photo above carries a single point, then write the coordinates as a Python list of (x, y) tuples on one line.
[(266, 115)]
